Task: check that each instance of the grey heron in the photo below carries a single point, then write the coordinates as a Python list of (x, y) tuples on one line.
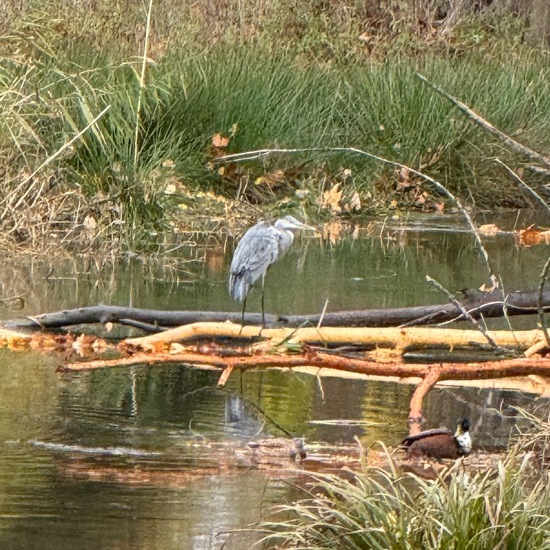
[(262, 245)]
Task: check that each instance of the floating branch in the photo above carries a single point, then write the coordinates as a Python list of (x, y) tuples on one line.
[(311, 358), (430, 374)]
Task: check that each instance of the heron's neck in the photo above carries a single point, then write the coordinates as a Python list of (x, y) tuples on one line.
[(285, 241)]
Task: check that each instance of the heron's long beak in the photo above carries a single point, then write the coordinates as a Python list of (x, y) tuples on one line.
[(299, 226), (309, 227)]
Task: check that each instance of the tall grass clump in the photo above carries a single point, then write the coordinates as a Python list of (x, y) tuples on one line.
[(161, 132), (79, 126), (109, 115), (276, 102), (504, 508)]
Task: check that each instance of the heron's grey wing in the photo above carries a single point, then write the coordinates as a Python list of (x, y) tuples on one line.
[(256, 251)]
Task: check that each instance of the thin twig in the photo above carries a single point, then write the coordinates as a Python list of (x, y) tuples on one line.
[(142, 82), (260, 153), (504, 303), (322, 314), (485, 124), (538, 169), (522, 184), (505, 308), (465, 313)]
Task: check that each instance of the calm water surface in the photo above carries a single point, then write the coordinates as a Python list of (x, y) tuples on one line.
[(135, 458)]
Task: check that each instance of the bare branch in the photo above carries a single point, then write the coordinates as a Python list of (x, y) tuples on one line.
[(466, 314), (415, 409), (260, 153), (485, 124), (522, 184)]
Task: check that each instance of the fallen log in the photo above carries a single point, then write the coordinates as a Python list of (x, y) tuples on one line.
[(476, 303), (400, 339), (151, 320), (384, 345), (505, 368)]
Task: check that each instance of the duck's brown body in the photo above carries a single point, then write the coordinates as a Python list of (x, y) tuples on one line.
[(440, 443), (435, 445)]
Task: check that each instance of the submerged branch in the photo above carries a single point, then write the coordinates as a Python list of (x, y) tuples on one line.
[(447, 371), (430, 374), (415, 409)]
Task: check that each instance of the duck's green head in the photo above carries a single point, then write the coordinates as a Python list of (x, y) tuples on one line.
[(463, 427)]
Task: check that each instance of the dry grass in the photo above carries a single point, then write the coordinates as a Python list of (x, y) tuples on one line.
[(535, 438), (501, 508)]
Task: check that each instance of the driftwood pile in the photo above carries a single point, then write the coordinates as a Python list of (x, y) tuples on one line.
[(212, 340)]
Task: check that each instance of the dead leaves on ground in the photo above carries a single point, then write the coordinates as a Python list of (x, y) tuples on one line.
[(337, 202), (413, 190), (532, 236)]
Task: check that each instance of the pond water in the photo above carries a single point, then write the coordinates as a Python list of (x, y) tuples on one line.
[(130, 458)]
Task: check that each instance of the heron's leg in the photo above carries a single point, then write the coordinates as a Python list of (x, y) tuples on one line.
[(263, 309), (242, 313)]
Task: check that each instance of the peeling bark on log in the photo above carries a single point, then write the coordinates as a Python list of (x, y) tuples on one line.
[(492, 304), (448, 371), (399, 338), (415, 409)]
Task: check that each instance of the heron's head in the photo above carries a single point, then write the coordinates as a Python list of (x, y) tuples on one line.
[(290, 223)]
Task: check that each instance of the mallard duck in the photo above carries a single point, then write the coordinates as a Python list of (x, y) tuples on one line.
[(440, 442)]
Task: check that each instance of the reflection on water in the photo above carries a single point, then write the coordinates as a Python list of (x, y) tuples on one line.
[(385, 270), (145, 457)]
